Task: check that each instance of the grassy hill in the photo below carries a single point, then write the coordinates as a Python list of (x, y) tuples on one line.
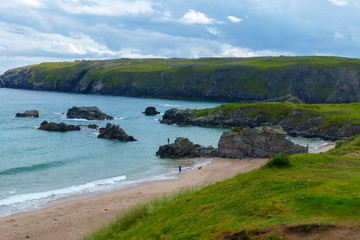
[(316, 195), (312, 79)]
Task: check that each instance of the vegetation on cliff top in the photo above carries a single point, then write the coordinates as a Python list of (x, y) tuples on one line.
[(318, 191), (330, 114), (312, 79)]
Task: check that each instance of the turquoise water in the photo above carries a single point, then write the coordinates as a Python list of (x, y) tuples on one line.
[(38, 167)]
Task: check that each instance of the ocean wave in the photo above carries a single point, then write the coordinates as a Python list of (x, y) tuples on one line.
[(170, 105), (32, 168), (118, 118), (30, 201)]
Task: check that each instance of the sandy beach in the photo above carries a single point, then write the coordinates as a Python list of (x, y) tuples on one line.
[(74, 219)]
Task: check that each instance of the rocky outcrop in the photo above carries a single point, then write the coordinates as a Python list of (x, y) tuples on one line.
[(256, 142), (89, 113), (58, 127), (310, 79), (184, 148), (151, 111), (296, 122), (115, 132), (28, 113), (92, 126)]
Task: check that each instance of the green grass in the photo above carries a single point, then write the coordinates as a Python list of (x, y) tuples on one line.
[(317, 189), (114, 71), (278, 161), (330, 114)]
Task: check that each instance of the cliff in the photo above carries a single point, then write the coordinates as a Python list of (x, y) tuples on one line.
[(326, 121), (310, 79)]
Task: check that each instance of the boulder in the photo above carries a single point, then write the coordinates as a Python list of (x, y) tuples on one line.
[(256, 142), (89, 113), (93, 126), (58, 127), (184, 148), (115, 132), (28, 113), (151, 111)]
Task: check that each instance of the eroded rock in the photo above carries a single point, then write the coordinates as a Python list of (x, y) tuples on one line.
[(89, 113), (58, 127), (115, 132), (28, 113)]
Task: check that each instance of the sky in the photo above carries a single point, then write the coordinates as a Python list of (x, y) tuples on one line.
[(35, 31)]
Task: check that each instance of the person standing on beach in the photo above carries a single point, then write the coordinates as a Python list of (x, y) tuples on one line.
[(179, 169), (307, 148)]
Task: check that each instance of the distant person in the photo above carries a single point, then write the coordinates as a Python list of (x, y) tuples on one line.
[(269, 157), (168, 141), (307, 148), (179, 169)]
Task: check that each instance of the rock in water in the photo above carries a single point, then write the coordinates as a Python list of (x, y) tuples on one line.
[(151, 111), (28, 113), (89, 113), (115, 132), (256, 142), (184, 148), (58, 127)]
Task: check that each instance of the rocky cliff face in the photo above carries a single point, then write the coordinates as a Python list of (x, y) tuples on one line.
[(295, 122), (312, 79), (256, 142)]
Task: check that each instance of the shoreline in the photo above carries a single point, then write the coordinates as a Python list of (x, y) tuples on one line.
[(75, 218)]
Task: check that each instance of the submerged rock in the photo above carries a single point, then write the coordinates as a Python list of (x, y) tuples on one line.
[(115, 132), (184, 148), (256, 142), (89, 113), (151, 111), (58, 127), (28, 113)]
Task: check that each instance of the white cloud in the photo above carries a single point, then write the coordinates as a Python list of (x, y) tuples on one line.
[(213, 31), (338, 36), (22, 3), (340, 3), (106, 7), (235, 19), (228, 50), (195, 17), (19, 39)]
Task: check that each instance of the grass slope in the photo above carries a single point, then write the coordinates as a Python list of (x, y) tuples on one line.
[(316, 190), (331, 114)]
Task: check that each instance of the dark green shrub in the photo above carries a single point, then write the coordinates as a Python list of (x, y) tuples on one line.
[(279, 160)]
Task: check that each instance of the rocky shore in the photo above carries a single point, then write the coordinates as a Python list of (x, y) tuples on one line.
[(295, 122), (256, 142)]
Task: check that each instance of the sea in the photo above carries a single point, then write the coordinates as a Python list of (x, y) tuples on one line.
[(40, 168)]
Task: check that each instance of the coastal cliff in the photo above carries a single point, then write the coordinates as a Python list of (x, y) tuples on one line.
[(310, 79), (326, 121)]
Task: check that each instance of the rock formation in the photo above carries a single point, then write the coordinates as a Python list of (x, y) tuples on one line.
[(115, 132), (256, 142), (151, 111), (28, 113), (238, 143), (184, 148), (93, 126), (58, 127), (296, 122), (89, 113)]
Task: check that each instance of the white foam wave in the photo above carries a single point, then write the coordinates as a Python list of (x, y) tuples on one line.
[(30, 201), (170, 105), (118, 118)]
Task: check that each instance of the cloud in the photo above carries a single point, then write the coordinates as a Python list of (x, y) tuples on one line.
[(22, 4), (195, 17), (14, 36), (338, 36), (235, 19), (228, 50), (213, 31), (340, 3), (106, 7)]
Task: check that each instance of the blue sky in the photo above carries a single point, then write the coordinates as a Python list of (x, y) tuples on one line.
[(34, 31)]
